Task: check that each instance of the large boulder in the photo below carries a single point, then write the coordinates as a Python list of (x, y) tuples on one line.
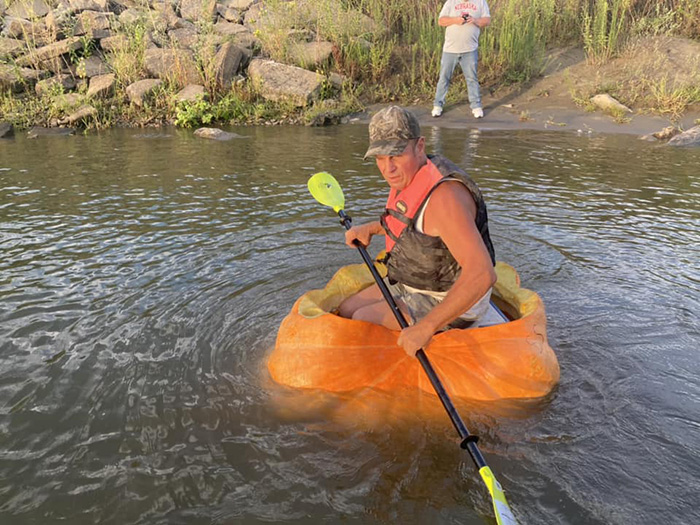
[(280, 82), (226, 63)]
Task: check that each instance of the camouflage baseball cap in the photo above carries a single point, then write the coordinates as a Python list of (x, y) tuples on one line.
[(390, 130)]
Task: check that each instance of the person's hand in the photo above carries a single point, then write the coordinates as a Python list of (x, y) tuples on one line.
[(414, 338), (466, 18), (362, 234)]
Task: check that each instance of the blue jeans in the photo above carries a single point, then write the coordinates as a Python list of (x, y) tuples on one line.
[(467, 61)]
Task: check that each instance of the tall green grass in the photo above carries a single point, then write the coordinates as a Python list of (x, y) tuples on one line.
[(401, 54), (604, 27)]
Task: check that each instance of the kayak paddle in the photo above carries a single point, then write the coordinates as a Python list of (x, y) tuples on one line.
[(326, 190)]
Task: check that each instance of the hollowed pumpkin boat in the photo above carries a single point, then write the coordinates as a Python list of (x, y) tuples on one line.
[(316, 349)]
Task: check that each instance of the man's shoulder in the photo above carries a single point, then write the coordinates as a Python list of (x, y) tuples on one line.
[(445, 166)]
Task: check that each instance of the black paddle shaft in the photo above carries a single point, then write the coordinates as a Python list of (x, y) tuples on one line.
[(468, 440)]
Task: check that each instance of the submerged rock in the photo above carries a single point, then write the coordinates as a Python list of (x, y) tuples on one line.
[(38, 131), (216, 134), (6, 129), (687, 138)]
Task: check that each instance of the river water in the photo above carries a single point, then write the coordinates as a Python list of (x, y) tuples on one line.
[(144, 274)]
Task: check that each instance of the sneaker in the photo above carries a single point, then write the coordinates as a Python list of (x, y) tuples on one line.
[(478, 113), (437, 111)]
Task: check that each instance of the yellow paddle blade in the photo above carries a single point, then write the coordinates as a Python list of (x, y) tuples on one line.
[(504, 516), (326, 190)]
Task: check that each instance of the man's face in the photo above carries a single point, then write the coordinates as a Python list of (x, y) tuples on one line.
[(399, 170)]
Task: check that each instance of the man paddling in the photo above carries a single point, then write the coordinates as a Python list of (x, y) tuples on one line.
[(440, 255)]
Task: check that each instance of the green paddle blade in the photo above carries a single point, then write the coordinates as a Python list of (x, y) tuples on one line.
[(326, 190)]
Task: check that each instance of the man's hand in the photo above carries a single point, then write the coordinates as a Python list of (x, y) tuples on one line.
[(362, 233), (414, 338)]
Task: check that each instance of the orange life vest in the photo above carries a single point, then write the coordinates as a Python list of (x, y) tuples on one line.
[(402, 205)]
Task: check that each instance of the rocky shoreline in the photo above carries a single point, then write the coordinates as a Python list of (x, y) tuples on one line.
[(197, 48)]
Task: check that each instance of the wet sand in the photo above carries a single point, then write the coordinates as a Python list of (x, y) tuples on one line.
[(506, 114)]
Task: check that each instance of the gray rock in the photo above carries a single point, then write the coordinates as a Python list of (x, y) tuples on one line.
[(83, 113), (177, 64), (6, 130), (50, 52), (198, 10), (18, 79), (184, 37), (190, 93), (216, 134), (38, 131), (139, 91), (238, 4), (230, 14), (226, 63), (311, 55), (92, 23), (227, 28), (687, 138), (165, 17), (68, 101), (10, 47), (114, 43), (667, 133), (648, 138), (608, 103), (33, 32), (247, 40), (91, 66), (132, 16), (337, 80), (28, 9), (102, 85), (78, 6), (280, 82), (66, 82)]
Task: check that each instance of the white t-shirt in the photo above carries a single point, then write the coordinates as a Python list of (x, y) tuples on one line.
[(463, 38)]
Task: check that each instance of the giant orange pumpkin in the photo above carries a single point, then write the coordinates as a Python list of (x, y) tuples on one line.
[(316, 349)]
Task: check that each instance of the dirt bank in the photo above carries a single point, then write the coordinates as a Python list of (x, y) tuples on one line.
[(557, 100)]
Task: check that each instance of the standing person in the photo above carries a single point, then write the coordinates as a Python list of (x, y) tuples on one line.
[(440, 255), (463, 21)]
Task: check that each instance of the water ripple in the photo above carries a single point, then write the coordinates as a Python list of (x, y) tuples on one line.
[(143, 279)]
